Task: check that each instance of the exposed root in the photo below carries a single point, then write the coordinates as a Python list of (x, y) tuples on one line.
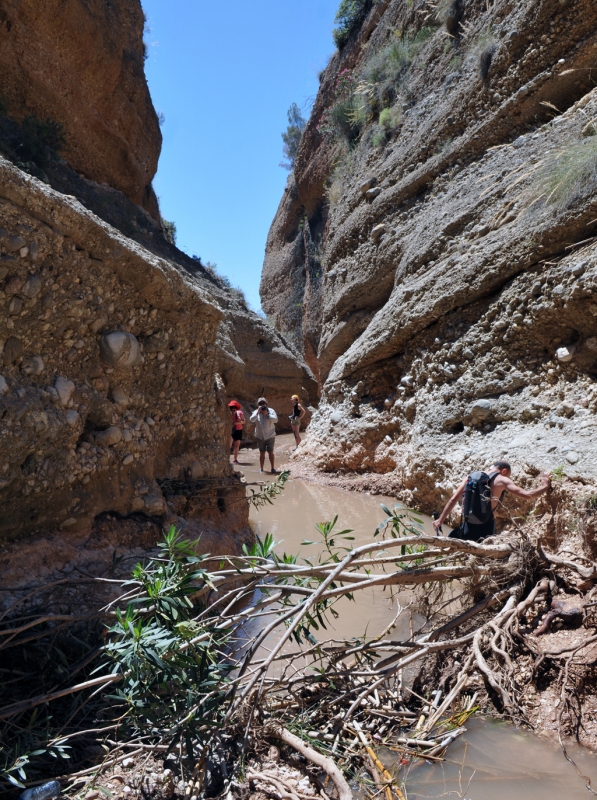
[(331, 701)]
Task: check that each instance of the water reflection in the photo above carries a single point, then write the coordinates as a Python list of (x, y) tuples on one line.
[(493, 761)]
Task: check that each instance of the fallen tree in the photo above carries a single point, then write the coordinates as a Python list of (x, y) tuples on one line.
[(204, 661)]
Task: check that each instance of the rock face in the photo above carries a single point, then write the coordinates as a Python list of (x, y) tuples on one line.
[(92, 421), (81, 64), (256, 360), (442, 285)]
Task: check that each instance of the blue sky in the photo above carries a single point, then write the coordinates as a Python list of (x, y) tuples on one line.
[(224, 75)]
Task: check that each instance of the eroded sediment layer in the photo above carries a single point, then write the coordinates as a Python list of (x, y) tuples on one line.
[(438, 277)]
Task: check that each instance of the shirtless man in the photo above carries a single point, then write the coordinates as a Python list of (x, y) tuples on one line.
[(499, 474)]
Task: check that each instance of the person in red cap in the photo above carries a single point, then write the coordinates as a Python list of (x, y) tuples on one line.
[(238, 421)]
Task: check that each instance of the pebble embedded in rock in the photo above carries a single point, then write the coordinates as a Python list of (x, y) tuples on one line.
[(378, 230), (481, 409), (72, 417), (336, 416), (371, 194), (98, 324), (565, 354), (109, 437), (137, 504), (154, 504), (592, 343), (127, 460), (197, 470), (14, 243), (367, 184), (13, 350), (15, 306), (119, 396), (120, 349), (13, 285), (3, 385), (157, 342), (572, 456), (65, 389), (33, 366), (32, 287)]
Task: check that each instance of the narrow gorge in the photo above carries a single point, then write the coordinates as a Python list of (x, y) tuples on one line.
[(169, 629)]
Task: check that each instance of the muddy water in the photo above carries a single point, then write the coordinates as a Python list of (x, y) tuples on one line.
[(292, 519), (492, 760)]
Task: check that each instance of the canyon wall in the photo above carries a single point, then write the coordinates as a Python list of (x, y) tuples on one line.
[(118, 352), (113, 420), (81, 64), (440, 269)]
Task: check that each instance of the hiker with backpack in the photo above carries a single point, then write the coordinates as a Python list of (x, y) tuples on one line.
[(480, 494)]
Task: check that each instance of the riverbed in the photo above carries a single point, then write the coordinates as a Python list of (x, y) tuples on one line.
[(492, 759)]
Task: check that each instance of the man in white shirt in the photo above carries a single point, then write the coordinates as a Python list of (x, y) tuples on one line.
[(265, 431)]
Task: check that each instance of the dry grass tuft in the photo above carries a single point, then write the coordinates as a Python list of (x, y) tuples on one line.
[(570, 174)]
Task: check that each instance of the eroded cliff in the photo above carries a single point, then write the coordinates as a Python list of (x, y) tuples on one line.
[(438, 235), (81, 64), (118, 352)]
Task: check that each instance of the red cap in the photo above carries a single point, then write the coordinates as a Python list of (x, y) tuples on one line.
[(234, 404)]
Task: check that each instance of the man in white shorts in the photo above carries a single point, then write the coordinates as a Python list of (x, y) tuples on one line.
[(265, 432)]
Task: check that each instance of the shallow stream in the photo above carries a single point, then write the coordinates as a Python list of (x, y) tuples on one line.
[(492, 760)]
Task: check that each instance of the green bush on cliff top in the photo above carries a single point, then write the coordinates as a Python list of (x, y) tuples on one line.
[(349, 18), (292, 136)]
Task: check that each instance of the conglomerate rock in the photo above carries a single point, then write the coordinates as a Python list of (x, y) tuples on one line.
[(108, 388), (443, 291)]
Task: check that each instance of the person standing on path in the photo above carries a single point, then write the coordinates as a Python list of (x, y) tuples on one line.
[(238, 421), (295, 420), (265, 431), (498, 482)]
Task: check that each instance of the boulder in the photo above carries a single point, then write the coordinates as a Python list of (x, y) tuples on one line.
[(120, 349), (480, 410)]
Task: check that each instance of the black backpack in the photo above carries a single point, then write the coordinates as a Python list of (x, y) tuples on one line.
[(476, 507)]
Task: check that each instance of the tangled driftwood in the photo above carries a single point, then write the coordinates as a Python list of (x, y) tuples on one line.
[(332, 701)]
